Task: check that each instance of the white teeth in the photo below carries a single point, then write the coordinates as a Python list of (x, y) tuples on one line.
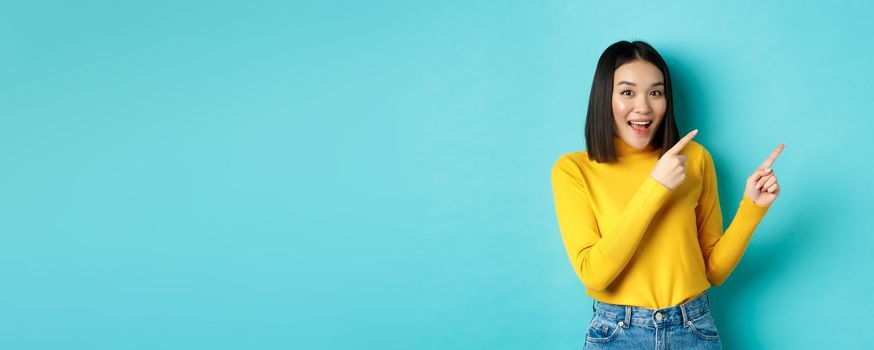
[(640, 123)]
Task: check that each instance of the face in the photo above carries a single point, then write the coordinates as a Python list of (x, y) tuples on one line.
[(638, 95)]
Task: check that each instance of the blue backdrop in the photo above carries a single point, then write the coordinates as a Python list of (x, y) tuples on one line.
[(327, 175)]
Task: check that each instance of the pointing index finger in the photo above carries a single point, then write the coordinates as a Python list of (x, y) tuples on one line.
[(683, 142), (772, 157)]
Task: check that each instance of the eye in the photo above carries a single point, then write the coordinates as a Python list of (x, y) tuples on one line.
[(656, 93), (626, 93)]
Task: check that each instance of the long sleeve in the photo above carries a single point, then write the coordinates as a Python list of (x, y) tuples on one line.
[(599, 258), (722, 252)]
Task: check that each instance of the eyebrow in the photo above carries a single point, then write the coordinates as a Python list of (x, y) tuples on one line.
[(633, 84)]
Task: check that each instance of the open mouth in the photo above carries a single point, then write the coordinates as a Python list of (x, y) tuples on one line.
[(640, 126)]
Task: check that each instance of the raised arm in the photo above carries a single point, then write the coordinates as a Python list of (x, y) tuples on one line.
[(598, 257), (722, 252)]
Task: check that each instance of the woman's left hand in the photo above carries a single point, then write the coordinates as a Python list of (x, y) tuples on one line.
[(762, 187)]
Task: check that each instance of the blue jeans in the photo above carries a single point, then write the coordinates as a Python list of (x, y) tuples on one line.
[(686, 326)]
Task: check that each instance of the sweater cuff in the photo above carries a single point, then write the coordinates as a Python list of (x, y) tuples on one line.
[(751, 209), (655, 186)]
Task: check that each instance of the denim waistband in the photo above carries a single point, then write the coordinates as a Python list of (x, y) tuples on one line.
[(679, 314)]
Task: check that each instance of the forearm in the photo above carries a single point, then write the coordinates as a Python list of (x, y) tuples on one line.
[(727, 252), (599, 264)]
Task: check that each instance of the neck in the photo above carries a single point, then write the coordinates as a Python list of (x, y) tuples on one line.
[(623, 149)]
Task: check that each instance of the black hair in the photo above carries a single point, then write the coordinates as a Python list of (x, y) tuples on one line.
[(600, 131)]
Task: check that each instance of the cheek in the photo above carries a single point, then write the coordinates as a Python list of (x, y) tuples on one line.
[(659, 107), (621, 108)]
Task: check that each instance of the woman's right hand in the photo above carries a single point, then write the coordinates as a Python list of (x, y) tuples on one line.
[(670, 170)]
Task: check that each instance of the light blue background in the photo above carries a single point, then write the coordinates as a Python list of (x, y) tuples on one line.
[(327, 175)]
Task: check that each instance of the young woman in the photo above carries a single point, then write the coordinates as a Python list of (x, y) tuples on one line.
[(639, 211)]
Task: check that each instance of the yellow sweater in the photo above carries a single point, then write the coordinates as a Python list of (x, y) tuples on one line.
[(632, 241)]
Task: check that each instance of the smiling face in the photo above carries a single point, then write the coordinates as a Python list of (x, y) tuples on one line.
[(638, 95)]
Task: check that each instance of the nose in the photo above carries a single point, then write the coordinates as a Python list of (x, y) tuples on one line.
[(641, 105)]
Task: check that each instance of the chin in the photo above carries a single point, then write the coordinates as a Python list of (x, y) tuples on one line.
[(639, 142)]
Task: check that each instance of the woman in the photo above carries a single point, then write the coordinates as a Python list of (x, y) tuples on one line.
[(639, 211)]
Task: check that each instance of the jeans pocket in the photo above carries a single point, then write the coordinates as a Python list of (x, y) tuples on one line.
[(601, 330), (704, 327)]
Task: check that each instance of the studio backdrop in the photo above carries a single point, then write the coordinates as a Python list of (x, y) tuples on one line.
[(376, 175)]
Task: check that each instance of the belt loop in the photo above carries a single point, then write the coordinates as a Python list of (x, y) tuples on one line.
[(685, 317), (593, 305), (627, 316)]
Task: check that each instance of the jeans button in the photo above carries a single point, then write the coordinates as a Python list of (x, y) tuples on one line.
[(658, 316)]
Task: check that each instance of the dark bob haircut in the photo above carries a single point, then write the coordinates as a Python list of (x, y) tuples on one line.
[(599, 117)]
